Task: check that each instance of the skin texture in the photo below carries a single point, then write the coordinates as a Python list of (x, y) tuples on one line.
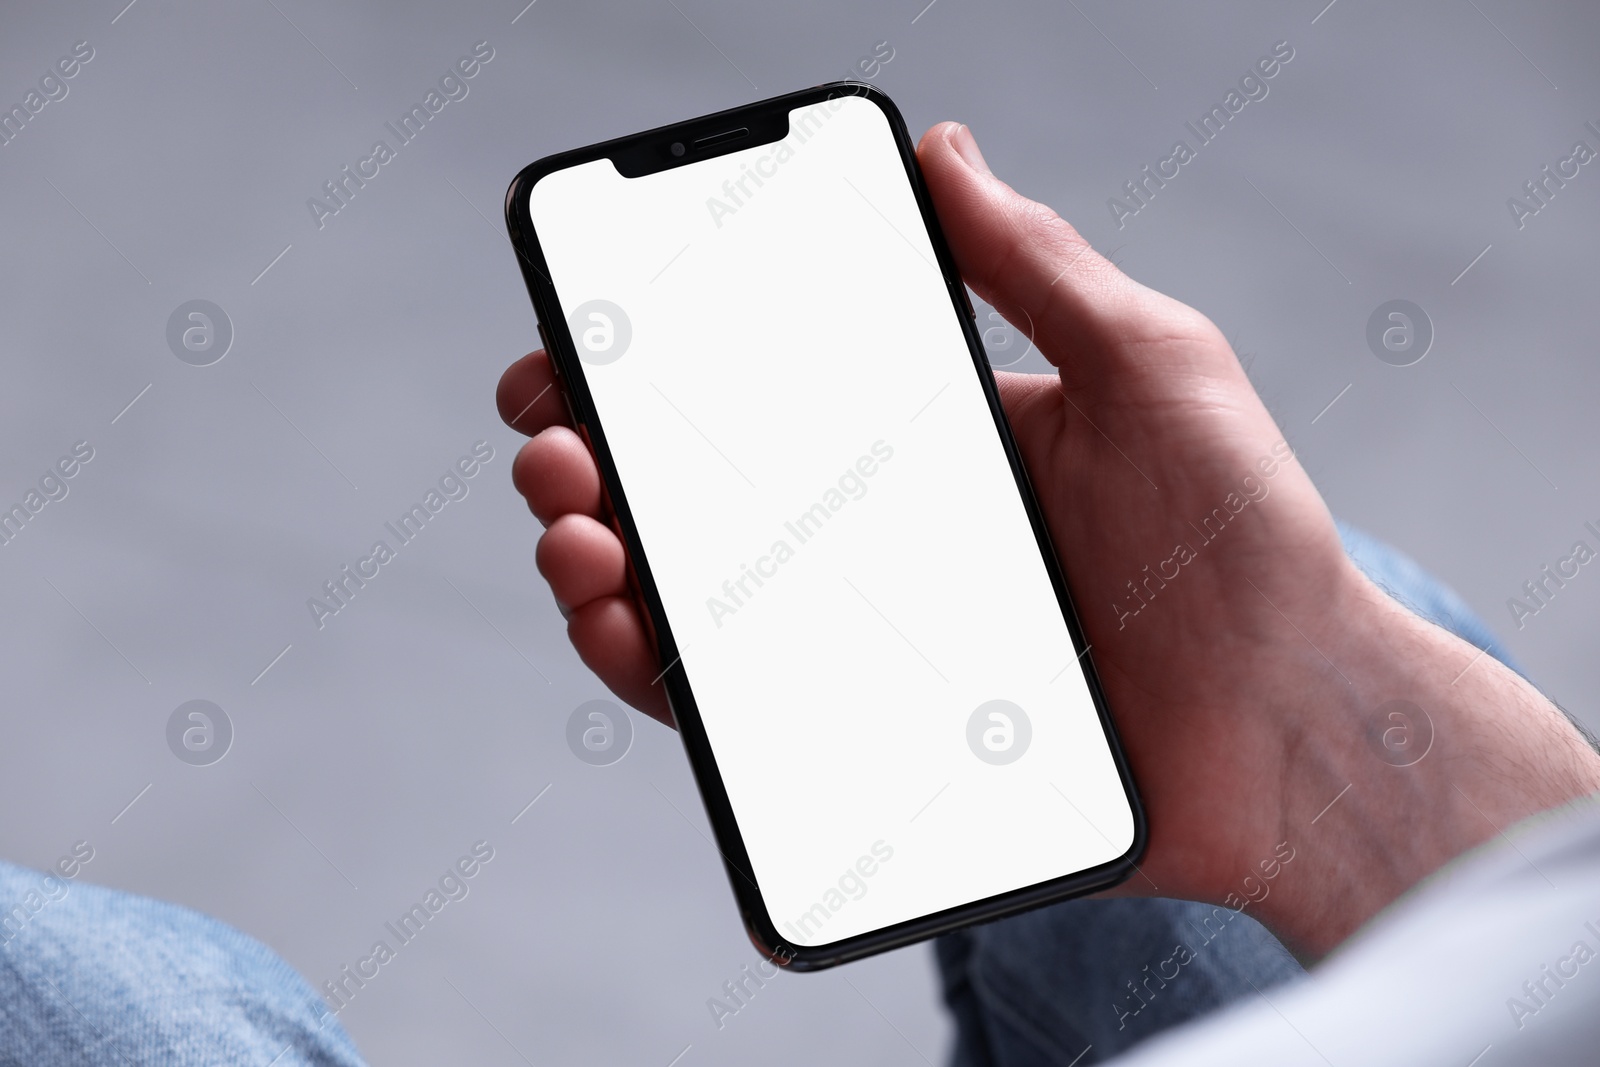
[(1246, 687)]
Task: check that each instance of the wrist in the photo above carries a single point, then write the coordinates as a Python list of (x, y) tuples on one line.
[(1377, 794)]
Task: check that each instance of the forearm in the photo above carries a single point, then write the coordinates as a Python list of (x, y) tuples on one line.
[(1369, 820)]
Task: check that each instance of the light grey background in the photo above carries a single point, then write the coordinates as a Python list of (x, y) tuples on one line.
[(429, 712)]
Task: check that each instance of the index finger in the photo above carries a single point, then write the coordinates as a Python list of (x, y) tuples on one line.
[(529, 396)]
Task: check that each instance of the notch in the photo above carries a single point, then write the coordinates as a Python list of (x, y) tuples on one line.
[(690, 142)]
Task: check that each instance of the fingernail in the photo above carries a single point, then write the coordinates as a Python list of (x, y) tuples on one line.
[(967, 148)]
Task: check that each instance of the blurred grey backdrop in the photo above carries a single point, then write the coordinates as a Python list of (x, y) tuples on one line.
[(370, 754)]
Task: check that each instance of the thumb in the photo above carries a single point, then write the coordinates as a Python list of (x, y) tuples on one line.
[(1086, 316)]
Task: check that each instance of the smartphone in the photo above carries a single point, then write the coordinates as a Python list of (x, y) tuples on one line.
[(871, 654)]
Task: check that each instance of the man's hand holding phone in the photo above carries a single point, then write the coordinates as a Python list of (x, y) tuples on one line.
[(1242, 654)]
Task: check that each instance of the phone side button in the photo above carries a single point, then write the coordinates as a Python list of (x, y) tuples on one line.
[(965, 300), (544, 343), (573, 415)]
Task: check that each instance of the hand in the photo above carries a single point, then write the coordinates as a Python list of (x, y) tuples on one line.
[(1242, 654)]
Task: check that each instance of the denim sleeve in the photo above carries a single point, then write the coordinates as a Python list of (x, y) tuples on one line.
[(90, 977)]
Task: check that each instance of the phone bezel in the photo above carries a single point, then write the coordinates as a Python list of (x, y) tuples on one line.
[(644, 150)]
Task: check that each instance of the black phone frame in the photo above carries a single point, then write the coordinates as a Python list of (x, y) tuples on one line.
[(652, 150)]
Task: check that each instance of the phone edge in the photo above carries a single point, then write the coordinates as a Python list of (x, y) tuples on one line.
[(759, 925)]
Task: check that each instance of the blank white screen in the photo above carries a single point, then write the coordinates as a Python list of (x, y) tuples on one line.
[(778, 333)]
